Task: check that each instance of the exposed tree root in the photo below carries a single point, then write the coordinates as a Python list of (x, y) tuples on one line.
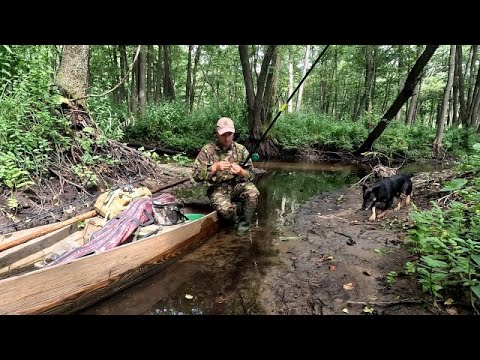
[(72, 191)]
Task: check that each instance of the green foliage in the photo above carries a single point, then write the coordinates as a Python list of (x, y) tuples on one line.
[(302, 130), (150, 154), (181, 159), (169, 124), (455, 184), (391, 277), (109, 117), (30, 127), (85, 174), (460, 142), (400, 139), (447, 240), (10, 174)]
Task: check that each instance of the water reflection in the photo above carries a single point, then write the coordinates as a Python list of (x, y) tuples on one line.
[(285, 186)]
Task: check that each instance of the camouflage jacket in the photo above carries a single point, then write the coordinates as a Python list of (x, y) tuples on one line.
[(211, 153)]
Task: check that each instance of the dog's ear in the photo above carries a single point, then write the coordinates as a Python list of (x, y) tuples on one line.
[(375, 189), (364, 188)]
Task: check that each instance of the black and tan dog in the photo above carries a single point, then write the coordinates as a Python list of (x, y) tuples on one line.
[(385, 191)]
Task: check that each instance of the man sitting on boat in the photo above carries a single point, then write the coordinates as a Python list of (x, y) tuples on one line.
[(218, 163)]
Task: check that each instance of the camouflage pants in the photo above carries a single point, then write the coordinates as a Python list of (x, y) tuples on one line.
[(224, 196)]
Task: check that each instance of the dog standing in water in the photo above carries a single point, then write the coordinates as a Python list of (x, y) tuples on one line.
[(385, 191)]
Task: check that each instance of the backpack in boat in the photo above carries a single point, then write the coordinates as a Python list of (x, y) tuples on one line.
[(170, 213), (112, 203)]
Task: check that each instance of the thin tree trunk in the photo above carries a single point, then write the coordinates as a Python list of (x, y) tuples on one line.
[(335, 85), (158, 89), (116, 77), (387, 92), (454, 109), (400, 77), (188, 84), (370, 71), (304, 71), (357, 102), (123, 70), (412, 109), (290, 79), (471, 76), (271, 86), (134, 90), (475, 102), (168, 89), (149, 73), (194, 76), (461, 84), (142, 98), (438, 142)]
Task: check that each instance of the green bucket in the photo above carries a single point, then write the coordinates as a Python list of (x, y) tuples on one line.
[(193, 217)]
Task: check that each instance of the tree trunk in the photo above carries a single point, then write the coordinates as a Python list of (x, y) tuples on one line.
[(335, 86), (475, 102), (400, 77), (407, 91), (471, 76), (412, 109), (364, 103), (168, 89), (369, 76), (142, 98), (438, 142), (134, 90), (158, 88), (123, 71), (271, 87), (247, 77), (194, 76), (290, 79), (461, 84), (454, 109), (188, 84), (72, 75), (255, 103), (116, 76), (304, 71), (150, 57)]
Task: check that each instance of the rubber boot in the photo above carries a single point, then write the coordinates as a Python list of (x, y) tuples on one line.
[(245, 221)]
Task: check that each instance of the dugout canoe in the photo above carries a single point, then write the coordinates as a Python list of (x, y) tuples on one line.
[(28, 288)]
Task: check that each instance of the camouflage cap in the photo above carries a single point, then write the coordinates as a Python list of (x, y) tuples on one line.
[(224, 125)]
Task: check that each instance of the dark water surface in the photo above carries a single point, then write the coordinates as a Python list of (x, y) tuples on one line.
[(222, 275)]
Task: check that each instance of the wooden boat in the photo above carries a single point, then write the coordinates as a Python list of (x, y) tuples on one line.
[(65, 288)]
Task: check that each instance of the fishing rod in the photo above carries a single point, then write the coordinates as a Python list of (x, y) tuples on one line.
[(283, 107)]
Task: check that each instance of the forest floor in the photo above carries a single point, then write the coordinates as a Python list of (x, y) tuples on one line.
[(338, 264)]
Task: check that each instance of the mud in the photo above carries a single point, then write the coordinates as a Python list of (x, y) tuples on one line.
[(339, 262)]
